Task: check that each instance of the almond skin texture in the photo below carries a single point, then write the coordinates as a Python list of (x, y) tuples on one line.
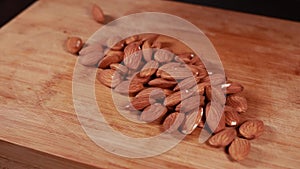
[(166, 67), (187, 83), (173, 122), (149, 69), (140, 103), (129, 87), (151, 92), (74, 44), (252, 129), (215, 118), (98, 14), (232, 118), (133, 55), (118, 67), (162, 83), (223, 138), (109, 78), (192, 119), (237, 102), (239, 149), (176, 97), (153, 112), (163, 55)]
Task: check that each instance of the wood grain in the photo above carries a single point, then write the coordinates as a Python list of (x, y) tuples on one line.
[(37, 111)]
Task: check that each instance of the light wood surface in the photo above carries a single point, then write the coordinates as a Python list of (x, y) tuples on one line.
[(39, 126)]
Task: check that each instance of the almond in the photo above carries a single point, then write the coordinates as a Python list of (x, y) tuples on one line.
[(200, 88), (110, 58), (239, 149), (252, 129), (176, 97), (153, 112), (187, 83), (215, 118), (177, 73), (157, 45), (137, 78), (166, 67), (149, 69), (147, 51), (118, 67), (95, 47), (202, 103), (140, 103), (173, 121), (109, 78), (199, 72), (232, 118), (115, 43), (152, 92), (74, 44), (233, 87), (237, 102), (190, 103), (163, 55), (162, 83), (129, 87), (182, 60), (90, 59), (192, 119), (223, 138), (133, 55), (98, 14), (216, 93), (217, 79), (132, 39)]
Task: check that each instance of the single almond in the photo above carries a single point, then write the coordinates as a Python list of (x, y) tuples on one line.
[(147, 51), (129, 87), (177, 97), (109, 78), (233, 87), (232, 118), (252, 129), (90, 59), (223, 138), (98, 14), (151, 92), (139, 103), (202, 103), (190, 103), (192, 119), (137, 78), (162, 83), (187, 83), (164, 55), (153, 112), (167, 67), (239, 149), (173, 121), (177, 73), (133, 55), (115, 43), (238, 102), (119, 67), (108, 60), (215, 117), (74, 44), (149, 69), (95, 47)]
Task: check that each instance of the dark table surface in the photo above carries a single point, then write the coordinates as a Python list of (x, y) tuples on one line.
[(284, 9)]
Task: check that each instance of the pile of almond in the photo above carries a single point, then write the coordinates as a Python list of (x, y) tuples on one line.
[(174, 89)]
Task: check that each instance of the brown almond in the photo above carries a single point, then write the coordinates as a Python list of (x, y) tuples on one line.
[(162, 83), (108, 60), (157, 45), (177, 73), (119, 67), (140, 103), (132, 55), (129, 87), (147, 51), (202, 103), (98, 14), (192, 119), (95, 47), (152, 92), (167, 67), (115, 43), (233, 88), (239, 149), (74, 44), (190, 103), (149, 69), (237, 102), (200, 88), (223, 138), (187, 83), (215, 118), (215, 93), (176, 97), (164, 55), (90, 59), (173, 121), (109, 78), (232, 118), (132, 39), (252, 129), (153, 112)]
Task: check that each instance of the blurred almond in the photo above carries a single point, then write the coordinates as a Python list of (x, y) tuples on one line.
[(163, 55), (118, 67), (132, 55), (233, 87), (173, 121), (109, 78), (192, 119), (153, 112), (129, 87), (162, 83), (98, 13), (74, 44), (149, 69)]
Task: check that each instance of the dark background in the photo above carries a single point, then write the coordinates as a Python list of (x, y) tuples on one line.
[(284, 9)]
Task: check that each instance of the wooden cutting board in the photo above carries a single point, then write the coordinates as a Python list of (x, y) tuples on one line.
[(39, 127)]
